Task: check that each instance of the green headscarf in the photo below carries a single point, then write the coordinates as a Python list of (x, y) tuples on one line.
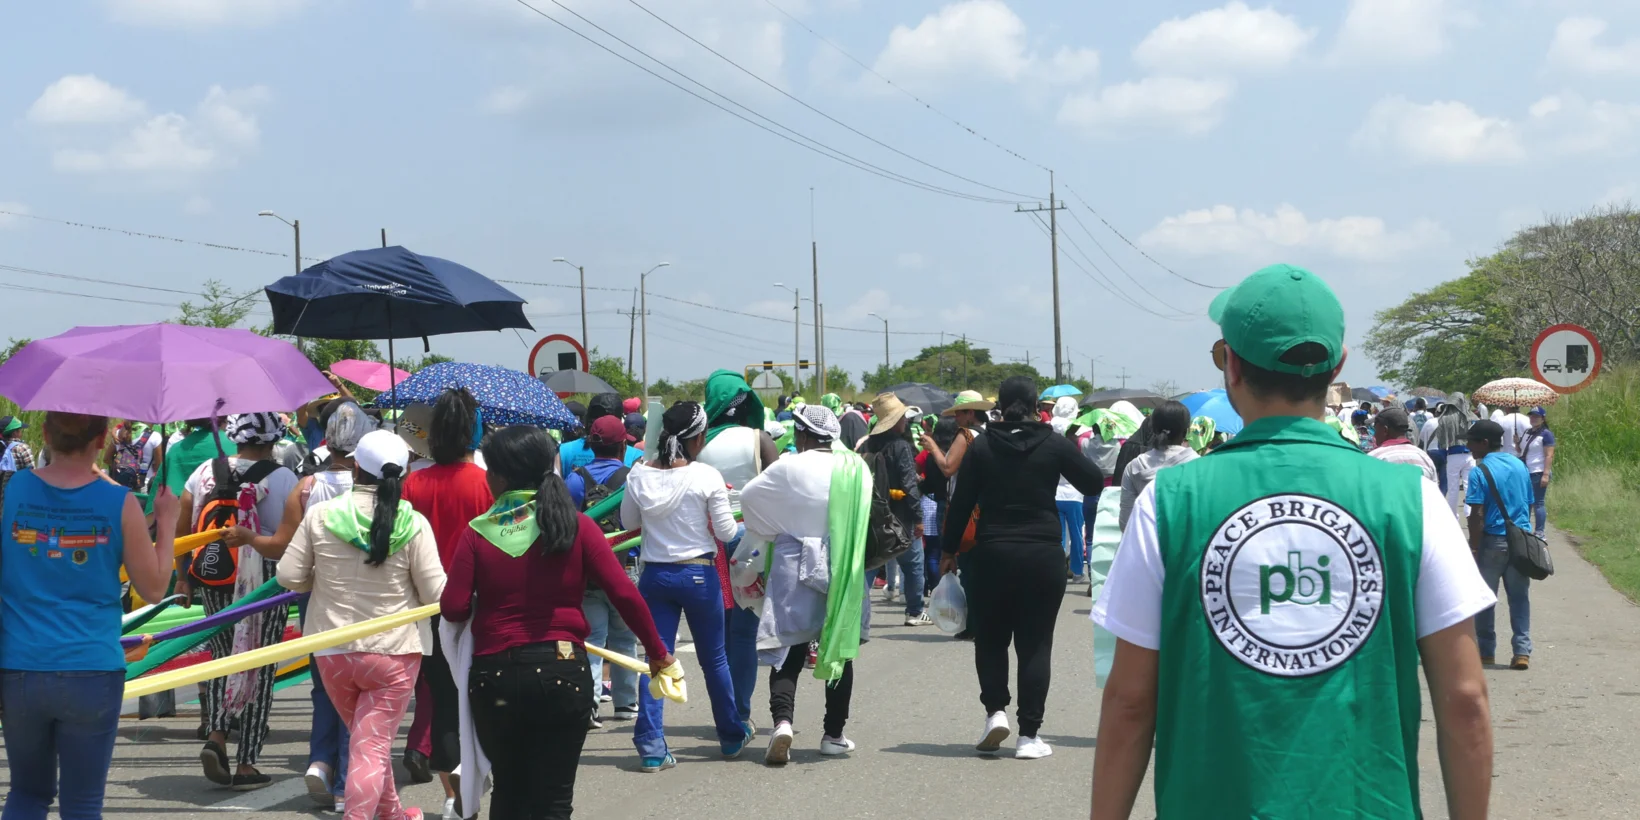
[(724, 408), (1201, 433), (351, 524), (510, 523), (833, 402)]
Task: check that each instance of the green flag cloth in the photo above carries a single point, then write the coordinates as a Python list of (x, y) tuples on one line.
[(1110, 424), (166, 651), (510, 523), (351, 524), (848, 512), (1202, 430)]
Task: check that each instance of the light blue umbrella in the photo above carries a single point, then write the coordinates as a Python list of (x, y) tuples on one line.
[(1214, 404), (1059, 391)]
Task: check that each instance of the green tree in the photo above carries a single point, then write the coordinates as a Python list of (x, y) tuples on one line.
[(13, 345), (954, 366), (1454, 336), (612, 369), (217, 306)]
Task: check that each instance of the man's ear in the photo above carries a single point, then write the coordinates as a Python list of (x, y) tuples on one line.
[(1341, 360)]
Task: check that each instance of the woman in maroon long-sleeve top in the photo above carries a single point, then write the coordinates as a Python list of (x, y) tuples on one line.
[(519, 573)]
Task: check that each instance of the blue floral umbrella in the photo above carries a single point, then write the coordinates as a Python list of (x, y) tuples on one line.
[(507, 397)]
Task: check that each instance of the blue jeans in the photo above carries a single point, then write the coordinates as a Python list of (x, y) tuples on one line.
[(1072, 524), (607, 630), (1494, 564), (59, 721), (1540, 512), (1090, 510), (912, 568), (741, 647), (692, 591), (1439, 457), (931, 562), (328, 741)]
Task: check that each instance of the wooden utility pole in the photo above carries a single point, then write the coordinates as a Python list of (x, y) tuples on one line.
[(1053, 209)]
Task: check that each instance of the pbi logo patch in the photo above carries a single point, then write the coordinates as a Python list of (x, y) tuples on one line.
[(1292, 585)]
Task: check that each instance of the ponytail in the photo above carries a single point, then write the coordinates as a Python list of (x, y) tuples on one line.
[(555, 514), (1017, 398), (388, 490)]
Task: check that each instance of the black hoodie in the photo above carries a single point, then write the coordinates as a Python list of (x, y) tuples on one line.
[(1011, 473)]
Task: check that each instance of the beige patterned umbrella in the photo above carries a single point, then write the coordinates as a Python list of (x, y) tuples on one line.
[(1515, 393)]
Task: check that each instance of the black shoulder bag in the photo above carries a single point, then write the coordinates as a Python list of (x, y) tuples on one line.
[(1528, 553)]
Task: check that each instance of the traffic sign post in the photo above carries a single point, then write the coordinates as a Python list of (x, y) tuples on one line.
[(557, 352), (1566, 358)]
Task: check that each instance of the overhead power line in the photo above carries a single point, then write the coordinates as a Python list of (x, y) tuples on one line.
[(920, 101), (1104, 282), (1130, 277), (1136, 248), (793, 136), (145, 235), (788, 95)]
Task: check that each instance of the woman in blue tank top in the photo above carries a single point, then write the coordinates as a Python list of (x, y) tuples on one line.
[(64, 532)]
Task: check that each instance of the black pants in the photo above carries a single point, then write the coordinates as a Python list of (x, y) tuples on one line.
[(446, 706), (530, 706), (1014, 597), (783, 691)]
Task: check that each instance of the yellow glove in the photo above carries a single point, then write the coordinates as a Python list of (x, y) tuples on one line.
[(669, 684)]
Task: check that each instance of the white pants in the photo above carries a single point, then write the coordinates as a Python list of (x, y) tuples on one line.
[(1458, 466)]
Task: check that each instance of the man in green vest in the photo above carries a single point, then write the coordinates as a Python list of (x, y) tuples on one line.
[(1273, 601)]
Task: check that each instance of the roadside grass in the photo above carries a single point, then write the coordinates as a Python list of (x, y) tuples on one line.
[(1595, 493)]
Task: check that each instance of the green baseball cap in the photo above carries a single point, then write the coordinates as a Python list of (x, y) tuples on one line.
[(1277, 309), (10, 424)]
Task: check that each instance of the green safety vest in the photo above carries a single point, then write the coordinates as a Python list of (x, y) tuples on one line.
[(1288, 670)]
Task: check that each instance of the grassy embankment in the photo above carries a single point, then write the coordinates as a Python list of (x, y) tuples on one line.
[(1595, 493)]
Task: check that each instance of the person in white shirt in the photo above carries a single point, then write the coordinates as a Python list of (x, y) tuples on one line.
[(682, 505), (1536, 447), (1514, 424), (1394, 446)]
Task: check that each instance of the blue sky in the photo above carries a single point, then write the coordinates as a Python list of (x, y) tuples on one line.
[(1379, 142)]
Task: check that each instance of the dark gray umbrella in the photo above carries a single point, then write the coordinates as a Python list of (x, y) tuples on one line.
[(566, 382), (1142, 399), (927, 397)]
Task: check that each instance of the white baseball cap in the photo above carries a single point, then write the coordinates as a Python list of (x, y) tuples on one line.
[(380, 448)]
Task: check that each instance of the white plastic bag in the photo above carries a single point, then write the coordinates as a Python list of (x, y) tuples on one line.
[(949, 606)]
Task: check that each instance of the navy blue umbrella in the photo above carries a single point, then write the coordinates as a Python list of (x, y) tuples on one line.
[(390, 293)]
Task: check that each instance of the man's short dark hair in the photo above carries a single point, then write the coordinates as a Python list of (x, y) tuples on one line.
[(1490, 432), (1291, 387), (1394, 420)]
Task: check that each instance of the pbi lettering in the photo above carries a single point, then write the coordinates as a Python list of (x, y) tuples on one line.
[(1294, 582)]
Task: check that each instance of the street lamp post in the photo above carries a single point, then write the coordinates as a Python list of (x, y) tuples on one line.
[(643, 314), (885, 342), (797, 337), (585, 342), (295, 226)]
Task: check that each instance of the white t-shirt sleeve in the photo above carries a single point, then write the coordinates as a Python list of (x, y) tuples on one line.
[(1131, 604), (1450, 588)]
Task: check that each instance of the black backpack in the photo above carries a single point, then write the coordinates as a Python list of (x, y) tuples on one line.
[(886, 538), (596, 492)]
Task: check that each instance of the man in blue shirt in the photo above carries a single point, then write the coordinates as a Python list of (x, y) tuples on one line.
[(606, 442), (606, 438), (1487, 537), (579, 453)]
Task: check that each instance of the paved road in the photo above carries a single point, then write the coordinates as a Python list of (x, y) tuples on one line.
[(1568, 738)]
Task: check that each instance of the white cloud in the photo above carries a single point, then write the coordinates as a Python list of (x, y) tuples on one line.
[(1439, 132), (910, 260), (1399, 31), (7, 220), (1171, 103), (1575, 48), (1569, 124), (79, 99), (200, 14), (1224, 230), (507, 99), (222, 128), (977, 40), (960, 315), (197, 206), (1619, 195), (1233, 38)]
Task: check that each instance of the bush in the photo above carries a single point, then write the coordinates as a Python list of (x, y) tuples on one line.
[(1595, 493)]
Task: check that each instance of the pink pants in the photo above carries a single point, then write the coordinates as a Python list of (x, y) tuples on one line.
[(371, 693)]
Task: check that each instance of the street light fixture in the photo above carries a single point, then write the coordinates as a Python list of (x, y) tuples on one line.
[(643, 313), (583, 271), (885, 342), (797, 336), (295, 226)]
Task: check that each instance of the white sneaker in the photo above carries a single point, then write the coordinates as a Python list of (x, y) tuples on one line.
[(891, 596), (341, 806), (780, 746), (920, 619), (450, 809), (996, 731), (832, 746), (318, 784), (1032, 748)]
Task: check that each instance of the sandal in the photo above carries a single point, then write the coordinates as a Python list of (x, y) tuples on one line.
[(215, 760)]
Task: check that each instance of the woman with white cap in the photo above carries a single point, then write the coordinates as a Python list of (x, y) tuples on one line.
[(246, 695), (366, 554)]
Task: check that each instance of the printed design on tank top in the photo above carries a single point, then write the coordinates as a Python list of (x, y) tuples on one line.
[(86, 530), (1292, 585)]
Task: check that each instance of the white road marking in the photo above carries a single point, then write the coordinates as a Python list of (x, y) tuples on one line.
[(685, 647), (282, 791)]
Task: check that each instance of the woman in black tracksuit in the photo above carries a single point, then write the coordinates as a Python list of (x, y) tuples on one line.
[(1011, 474)]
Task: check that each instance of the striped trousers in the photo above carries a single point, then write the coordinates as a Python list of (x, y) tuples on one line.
[(253, 722)]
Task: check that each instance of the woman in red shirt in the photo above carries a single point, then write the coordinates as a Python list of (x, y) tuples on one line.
[(528, 560), (449, 494)]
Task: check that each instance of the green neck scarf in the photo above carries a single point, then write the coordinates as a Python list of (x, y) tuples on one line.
[(510, 523), (347, 522), (848, 513)]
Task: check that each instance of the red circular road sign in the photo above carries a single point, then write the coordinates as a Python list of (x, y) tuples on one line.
[(557, 352), (1566, 357)]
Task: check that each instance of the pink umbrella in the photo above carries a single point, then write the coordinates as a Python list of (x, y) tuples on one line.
[(160, 373), (370, 375)]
